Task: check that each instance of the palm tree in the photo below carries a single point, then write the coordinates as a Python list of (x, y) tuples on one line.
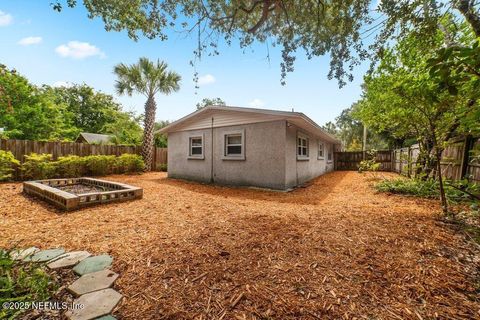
[(148, 78)]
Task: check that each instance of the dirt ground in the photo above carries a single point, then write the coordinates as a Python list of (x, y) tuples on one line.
[(333, 250)]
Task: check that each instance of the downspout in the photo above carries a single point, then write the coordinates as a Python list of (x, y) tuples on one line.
[(211, 154)]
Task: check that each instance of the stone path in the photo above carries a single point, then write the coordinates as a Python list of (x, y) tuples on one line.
[(92, 290)]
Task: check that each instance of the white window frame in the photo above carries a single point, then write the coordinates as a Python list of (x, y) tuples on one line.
[(321, 146), (302, 136), (190, 147), (330, 154), (240, 156)]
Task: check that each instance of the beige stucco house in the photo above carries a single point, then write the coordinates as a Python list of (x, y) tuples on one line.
[(248, 147)]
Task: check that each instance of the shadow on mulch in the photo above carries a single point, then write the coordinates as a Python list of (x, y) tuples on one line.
[(304, 194)]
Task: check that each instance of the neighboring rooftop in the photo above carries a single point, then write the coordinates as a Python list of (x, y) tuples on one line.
[(297, 118), (94, 138)]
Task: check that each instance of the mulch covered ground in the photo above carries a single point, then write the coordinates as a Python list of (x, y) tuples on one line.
[(333, 250)]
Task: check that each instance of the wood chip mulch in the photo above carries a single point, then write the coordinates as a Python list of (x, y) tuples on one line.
[(333, 250)]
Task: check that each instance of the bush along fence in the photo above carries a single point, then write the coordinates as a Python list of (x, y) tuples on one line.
[(458, 160), (57, 149), (42, 166)]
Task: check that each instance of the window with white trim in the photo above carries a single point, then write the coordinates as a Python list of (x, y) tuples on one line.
[(234, 145), (302, 146), (330, 154), (196, 147), (321, 150)]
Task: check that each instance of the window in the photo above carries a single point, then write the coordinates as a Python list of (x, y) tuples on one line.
[(302, 147), (234, 145), (330, 155), (321, 154), (196, 147)]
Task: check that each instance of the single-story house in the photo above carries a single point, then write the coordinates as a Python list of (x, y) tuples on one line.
[(94, 138), (248, 147)]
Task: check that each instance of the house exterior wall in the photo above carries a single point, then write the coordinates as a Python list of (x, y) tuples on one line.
[(300, 170), (263, 165)]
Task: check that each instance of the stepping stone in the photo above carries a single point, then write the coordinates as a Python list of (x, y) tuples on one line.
[(22, 254), (95, 304), (92, 264), (45, 255), (109, 317), (68, 259), (93, 281)]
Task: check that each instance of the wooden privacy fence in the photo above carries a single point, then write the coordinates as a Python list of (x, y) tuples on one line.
[(20, 148), (350, 160), (457, 160)]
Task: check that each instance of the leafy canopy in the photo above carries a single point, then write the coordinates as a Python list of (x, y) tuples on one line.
[(349, 31), (146, 77)]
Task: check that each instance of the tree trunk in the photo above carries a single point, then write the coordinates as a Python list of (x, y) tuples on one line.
[(467, 9), (443, 197), (149, 124)]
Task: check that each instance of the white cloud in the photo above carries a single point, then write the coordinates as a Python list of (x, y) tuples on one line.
[(79, 50), (30, 40), (256, 103), (62, 84), (206, 79), (5, 19)]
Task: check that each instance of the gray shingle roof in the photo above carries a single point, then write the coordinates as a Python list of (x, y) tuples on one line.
[(95, 138)]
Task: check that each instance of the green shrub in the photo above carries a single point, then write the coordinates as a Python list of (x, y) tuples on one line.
[(8, 163), (129, 163), (22, 282), (38, 166), (100, 165), (70, 167), (428, 188)]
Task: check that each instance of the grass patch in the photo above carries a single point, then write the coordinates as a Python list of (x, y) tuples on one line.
[(22, 282)]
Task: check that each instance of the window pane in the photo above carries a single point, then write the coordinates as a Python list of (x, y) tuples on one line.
[(234, 150), (196, 150), (304, 142), (197, 142), (234, 139)]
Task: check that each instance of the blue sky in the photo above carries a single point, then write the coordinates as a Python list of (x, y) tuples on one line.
[(52, 48)]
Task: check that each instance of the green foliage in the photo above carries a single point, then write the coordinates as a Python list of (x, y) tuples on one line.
[(402, 98), (161, 140), (350, 131), (210, 102), (428, 188), (164, 167), (22, 282), (28, 112), (38, 166), (129, 163), (368, 165), (8, 163), (45, 113), (70, 167), (100, 165), (41, 166)]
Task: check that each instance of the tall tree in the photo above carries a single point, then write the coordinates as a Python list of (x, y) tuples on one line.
[(401, 96), (30, 112), (147, 78), (90, 110)]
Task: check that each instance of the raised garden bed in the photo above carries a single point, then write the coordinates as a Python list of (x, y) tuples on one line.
[(74, 193)]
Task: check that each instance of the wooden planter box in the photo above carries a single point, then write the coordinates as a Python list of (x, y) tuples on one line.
[(49, 191)]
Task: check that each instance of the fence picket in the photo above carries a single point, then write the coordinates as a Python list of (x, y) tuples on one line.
[(20, 148)]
